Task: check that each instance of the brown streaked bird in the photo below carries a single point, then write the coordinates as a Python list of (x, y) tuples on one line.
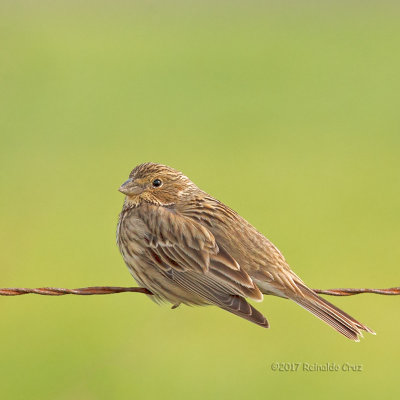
[(186, 247)]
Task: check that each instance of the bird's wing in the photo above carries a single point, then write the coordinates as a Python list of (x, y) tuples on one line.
[(188, 254), (179, 244)]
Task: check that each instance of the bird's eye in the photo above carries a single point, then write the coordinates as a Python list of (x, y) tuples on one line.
[(157, 183)]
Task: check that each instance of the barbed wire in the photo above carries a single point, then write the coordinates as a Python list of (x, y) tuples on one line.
[(351, 292), (87, 291)]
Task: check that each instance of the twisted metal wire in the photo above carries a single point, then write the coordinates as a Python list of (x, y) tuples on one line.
[(87, 291), (51, 291), (351, 292)]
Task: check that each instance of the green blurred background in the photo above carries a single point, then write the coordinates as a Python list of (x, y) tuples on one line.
[(286, 111)]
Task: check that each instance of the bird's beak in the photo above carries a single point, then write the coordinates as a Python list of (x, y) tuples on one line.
[(130, 188)]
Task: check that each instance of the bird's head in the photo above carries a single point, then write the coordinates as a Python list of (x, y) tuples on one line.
[(155, 183)]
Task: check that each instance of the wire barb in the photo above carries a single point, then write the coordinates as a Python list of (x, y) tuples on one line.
[(87, 291)]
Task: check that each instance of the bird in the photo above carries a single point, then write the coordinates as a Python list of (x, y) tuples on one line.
[(186, 247)]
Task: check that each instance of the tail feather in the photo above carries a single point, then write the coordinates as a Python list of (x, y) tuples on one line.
[(332, 315)]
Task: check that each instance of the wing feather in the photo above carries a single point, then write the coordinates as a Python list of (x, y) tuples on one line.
[(180, 245)]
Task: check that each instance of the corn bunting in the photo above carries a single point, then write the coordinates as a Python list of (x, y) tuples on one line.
[(186, 247)]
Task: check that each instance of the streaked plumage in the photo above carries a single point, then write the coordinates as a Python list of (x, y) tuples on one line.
[(187, 247)]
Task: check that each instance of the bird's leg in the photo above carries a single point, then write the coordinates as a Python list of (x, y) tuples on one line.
[(176, 305)]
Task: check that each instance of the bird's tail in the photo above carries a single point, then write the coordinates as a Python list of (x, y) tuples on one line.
[(327, 312)]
